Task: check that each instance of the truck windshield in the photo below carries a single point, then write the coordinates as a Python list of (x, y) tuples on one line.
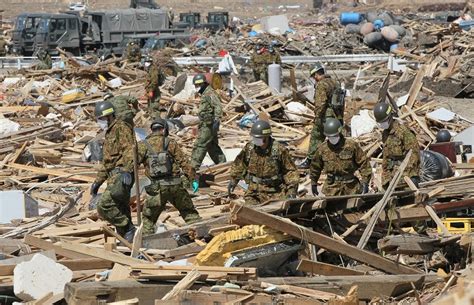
[(150, 43), (20, 23), (43, 25)]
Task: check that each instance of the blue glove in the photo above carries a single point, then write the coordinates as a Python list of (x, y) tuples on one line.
[(365, 188), (126, 178), (215, 125), (195, 186)]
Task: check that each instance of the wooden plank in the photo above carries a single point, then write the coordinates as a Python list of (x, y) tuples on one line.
[(312, 293), (325, 269), (184, 284), (102, 254), (379, 207), (244, 215), (416, 86), (47, 245), (52, 172), (86, 264), (437, 220)]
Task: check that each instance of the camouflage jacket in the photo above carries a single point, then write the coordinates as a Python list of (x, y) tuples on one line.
[(126, 107), (118, 149), (45, 63), (266, 170), (343, 160), (155, 78), (261, 61), (210, 107), (322, 98), (398, 140), (179, 159), (134, 53)]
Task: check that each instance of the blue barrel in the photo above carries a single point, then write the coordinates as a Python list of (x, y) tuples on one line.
[(348, 17), (378, 24)]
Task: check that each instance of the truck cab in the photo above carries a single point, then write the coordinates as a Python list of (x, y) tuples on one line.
[(24, 32), (189, 20), (217, 20), (59, 30)]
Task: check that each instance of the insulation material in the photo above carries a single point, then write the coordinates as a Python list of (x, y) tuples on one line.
[(222, 246)]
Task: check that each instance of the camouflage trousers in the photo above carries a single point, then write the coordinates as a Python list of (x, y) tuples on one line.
[(317, 137), (255, 198), (260, 74), (339, 188), (154, 104), (134, 57), (206, 142), (42, 66), (156, 203), (113, 205)]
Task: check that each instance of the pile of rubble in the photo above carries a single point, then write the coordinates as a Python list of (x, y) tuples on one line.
[(387, 246)]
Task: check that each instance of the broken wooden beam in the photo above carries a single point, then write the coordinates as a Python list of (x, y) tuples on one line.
[(244, 215)]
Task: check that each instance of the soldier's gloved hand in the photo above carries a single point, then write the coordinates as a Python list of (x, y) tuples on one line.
[(365, 188), (291, 196), (195, 186), (126, 178), (95, 188), (314, 189), (231, 186), (215, 124)]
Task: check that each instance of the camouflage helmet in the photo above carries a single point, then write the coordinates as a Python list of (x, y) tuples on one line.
[(382, 111), (103, 109), (443, 136), (199, 79), (318, 66), (332, 127), (261, 129)]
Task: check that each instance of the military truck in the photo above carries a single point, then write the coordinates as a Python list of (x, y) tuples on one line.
[(215, 21), (100, 29), (24, 32), (161, 41)]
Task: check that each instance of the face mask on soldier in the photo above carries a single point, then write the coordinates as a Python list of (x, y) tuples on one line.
[(385, 124), (258, 141), (103, 124), (334, 139)]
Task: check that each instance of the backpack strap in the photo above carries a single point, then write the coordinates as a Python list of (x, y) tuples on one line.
[(150, 148)]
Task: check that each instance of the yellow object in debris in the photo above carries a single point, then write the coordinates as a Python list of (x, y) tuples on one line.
[(72, 95), (102, 79), (223, 245), (458, 225)]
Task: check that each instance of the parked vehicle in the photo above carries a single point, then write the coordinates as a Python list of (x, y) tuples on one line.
[(24, 32), (215, 21), (158, 42)]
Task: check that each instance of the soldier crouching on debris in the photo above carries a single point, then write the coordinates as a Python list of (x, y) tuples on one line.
[(266, 166), (45, 60), (116, 169), (397, 140), (339, 158), (164, 161)]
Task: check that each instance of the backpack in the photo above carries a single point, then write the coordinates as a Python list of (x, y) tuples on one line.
[(338, 98), (160, 164), (122, 108)]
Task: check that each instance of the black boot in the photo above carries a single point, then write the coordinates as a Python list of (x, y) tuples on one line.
[(130, 233), (305, 164)]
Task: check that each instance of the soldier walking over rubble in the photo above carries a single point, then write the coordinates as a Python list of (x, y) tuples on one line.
[(266, 166), (116, 169), (45, 60), (339, 158), (210, 113), (134, 53), (261, 59), (323, 95), (397, 140), (155, 78), (164, 161)]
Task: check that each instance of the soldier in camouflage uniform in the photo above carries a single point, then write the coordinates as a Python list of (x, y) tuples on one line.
[(3, 45), (266, 167), (126, 107), (45, 60), (117, 170), (397, 140), (155, 78), (339, 158), (164, 174), (134, 53), (210, 113), (323, 92), (261, 59)]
